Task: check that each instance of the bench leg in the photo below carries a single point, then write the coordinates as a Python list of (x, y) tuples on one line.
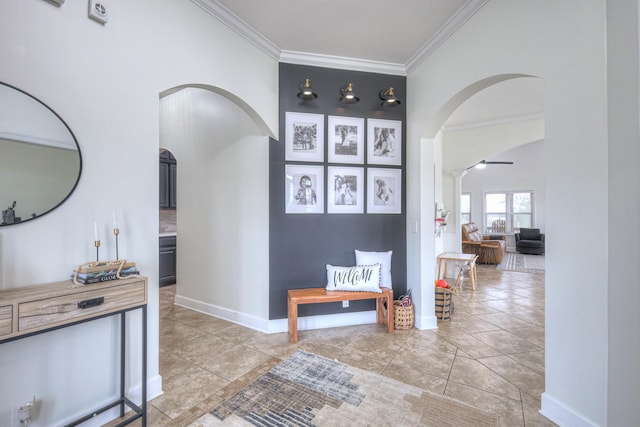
[(390, 321), (385, 316), (292, 314)]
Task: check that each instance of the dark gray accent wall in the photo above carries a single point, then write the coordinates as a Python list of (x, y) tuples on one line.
[(300, 245)]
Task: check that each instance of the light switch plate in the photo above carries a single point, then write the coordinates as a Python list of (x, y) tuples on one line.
[(99, 11)]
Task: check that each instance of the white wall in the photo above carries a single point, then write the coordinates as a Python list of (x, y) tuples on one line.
[(105, 82), (562, 42), (524, 175), (623, 154), (223, 204), (439, 192)]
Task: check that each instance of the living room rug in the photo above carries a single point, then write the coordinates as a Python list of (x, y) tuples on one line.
[(522, 262), (311, 390)]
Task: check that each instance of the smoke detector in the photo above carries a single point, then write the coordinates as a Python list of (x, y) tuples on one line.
[(98, 11)]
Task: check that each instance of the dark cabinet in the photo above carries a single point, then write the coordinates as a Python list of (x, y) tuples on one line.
[(167, 260), (168, 180)]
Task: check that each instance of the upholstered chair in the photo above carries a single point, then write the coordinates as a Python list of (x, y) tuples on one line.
[(490, 249), (530, 241)]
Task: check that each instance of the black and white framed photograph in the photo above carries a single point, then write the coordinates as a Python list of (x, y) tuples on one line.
[(345, 190), (304, 189), (304, 137), (384, 142), (345, 139), (384, 190)]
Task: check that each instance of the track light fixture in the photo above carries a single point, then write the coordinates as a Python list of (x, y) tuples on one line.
[(348, 96), (305, 91), (389, 98)]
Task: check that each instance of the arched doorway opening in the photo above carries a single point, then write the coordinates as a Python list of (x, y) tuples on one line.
[(222, 146)]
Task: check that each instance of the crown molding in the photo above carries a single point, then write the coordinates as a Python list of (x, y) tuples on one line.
[(496, 122), (228, 18), (341, 63), (454, 23)]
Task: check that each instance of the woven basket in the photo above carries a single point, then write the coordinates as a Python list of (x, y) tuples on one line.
[(402, 316), (444, 303)]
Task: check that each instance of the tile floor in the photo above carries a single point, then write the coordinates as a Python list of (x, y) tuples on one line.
[(490, 355)]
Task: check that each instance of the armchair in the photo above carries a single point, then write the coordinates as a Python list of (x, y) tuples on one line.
[(530, 241), (489, 250)]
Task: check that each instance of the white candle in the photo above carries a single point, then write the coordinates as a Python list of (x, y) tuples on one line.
[(95, 231), (115, 219)]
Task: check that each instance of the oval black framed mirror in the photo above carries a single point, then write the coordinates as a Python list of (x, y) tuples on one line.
[(40, 160)]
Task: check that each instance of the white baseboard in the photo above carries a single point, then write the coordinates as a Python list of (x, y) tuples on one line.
[(325, 321), (154, 389), (563, 415), (243, 319), (278, 325), (426, 322)]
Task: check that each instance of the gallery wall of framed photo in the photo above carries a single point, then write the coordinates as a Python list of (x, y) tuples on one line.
[(344, 143), (337, 181)]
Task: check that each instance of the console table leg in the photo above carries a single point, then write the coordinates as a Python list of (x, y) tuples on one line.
[(144, 366), (123, 327)]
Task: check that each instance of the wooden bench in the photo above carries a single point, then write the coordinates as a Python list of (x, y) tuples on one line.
[(384, 304)]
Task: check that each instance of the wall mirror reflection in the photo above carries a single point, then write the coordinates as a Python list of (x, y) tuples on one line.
[(40, 161)]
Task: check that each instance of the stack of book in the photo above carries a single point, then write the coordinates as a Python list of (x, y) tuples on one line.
[(104, 271)]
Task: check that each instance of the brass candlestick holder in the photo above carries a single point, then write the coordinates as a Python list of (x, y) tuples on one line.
[(97, 244), (116, 232)]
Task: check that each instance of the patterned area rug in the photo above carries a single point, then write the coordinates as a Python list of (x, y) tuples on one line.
[(311, 390), (522, 262)]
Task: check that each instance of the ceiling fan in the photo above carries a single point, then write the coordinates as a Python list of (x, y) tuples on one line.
[(483, 164)]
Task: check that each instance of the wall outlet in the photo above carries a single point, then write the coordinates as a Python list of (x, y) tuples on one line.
[(22, 414), (345, 304)]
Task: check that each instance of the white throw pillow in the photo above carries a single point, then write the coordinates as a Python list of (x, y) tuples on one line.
[(362, 278), (382, 258)]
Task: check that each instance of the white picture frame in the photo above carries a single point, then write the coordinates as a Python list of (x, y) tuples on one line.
[(345, 139), (304, 189), (304, 137), (345, 190), (384, 191), (384, 142)]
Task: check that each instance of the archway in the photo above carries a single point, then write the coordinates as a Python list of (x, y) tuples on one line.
[(222, 146), (425, 170), (501, 117)]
